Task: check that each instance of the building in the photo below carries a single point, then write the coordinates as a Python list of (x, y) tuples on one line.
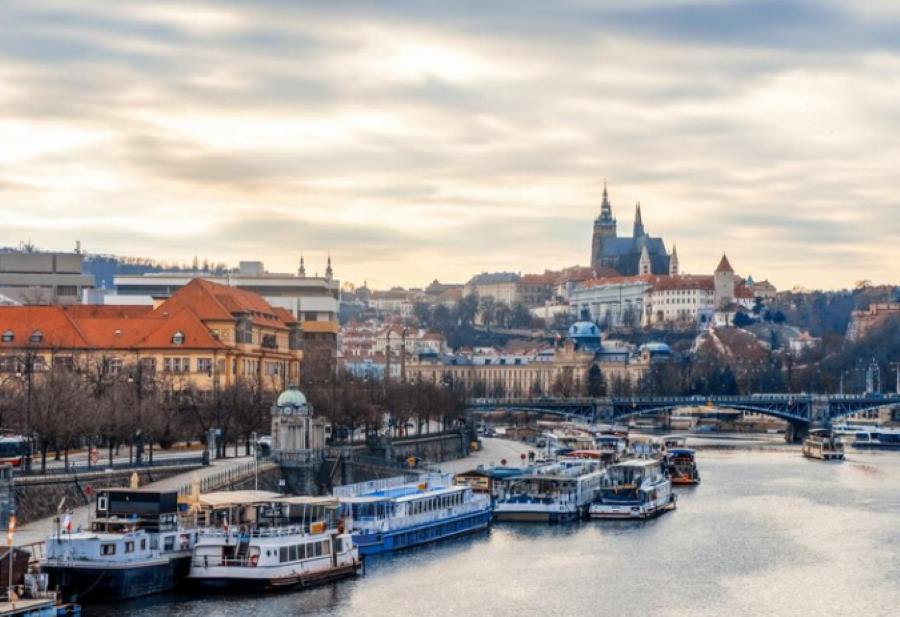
[(43, 278), (295, 426), (312, 300), (536, 289), (639, 254), (205, 334), (612, 302), (503, 287), (679, 300), (864, 321), (394, 301)]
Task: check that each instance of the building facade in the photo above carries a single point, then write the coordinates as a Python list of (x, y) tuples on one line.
[(43, 278)]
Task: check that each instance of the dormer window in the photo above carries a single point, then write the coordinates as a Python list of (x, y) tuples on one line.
[(9, 336), (37, 336), (178, 338)]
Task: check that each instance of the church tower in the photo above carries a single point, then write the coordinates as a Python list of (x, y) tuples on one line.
[(673, 261), (638, 223), (723, 279), (329, 273), (301, 271), (604, 227), (645, 266)]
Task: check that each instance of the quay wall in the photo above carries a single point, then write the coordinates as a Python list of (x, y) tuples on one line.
[(37, 497)]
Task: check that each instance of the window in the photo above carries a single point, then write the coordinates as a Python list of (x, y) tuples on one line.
[(176, 365), (37, 336), (178, 338), (283, 554), (67, 290), (107, 549), (129, 546), (295, 552), (148, 365), (114, 366), (204, 365), (9, 336), (143, 544), (169, 543)]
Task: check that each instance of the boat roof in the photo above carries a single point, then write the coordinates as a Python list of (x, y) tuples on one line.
[(638, 462), (682, 452), (403, 493), (307, 500), (237, 498)]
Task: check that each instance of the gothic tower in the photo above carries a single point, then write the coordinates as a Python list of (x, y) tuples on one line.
[(645, 266), (638, 223), (329, 273), (723, 279), (673, 261), (301, 271), (604, 227)]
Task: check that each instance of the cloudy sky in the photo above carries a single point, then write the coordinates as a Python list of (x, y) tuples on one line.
[(415, 139)]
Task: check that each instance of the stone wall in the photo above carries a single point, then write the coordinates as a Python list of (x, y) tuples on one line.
[(39, 497), (432, 448)]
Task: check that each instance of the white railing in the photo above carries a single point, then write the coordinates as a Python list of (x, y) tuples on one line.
[(478, 503), (372, 486)]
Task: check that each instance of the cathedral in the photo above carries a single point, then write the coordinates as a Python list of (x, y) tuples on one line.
[(639, 254)]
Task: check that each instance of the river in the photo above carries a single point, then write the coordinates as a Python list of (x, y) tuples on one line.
[(767, 533)]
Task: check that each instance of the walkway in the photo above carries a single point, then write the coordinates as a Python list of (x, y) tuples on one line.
[(37, 531), (493, 450)]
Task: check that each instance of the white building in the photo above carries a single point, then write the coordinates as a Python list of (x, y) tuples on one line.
[(612, 302)]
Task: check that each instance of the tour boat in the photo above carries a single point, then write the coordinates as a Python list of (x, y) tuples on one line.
[(682, 466), (391, 514), (136, 546), (552, 493), (635, 489), (823, 444), (611, 447), (878, 438), (294, 542)]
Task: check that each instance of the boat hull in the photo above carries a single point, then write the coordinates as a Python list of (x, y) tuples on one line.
[(373, 544), (521, 513), (823, 456), (92, 582), (241, 583), (629, 512)]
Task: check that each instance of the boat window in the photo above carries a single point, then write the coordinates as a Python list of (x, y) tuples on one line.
[(338, 545), (318, 549), (283, 554), (169, 543), (326, 547), (129, 547), (295, 553), (862, 436), (143, 544), (107, 549)]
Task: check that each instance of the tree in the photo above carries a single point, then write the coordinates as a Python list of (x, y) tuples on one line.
[(741, 320), (596, 384)]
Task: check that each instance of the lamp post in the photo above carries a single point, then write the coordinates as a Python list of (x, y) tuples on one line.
[(27, 373)]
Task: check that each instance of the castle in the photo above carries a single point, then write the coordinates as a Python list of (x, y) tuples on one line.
[(639, 254)]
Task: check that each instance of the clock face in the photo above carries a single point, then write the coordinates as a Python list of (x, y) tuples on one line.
[(286, 411)]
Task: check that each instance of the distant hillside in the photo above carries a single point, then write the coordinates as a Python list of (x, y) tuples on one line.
[(105, 267)]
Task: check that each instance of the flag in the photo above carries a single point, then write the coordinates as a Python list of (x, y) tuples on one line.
[(67, 523)]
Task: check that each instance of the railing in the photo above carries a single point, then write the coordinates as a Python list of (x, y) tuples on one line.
[(360, 488), (256, 532), (297, 456), (83, 467), (477, 504), (226, 476)]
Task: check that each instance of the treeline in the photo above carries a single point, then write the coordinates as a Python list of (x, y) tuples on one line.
[(457, 323)]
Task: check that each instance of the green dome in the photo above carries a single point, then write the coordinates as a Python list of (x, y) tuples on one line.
[(292, 397)]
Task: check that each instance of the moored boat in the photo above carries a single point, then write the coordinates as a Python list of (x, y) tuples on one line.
[(635, 489), (393, 514), (877, 439), (558, 492), (137, 546), (823, 444), (682, 467), (293, 542)]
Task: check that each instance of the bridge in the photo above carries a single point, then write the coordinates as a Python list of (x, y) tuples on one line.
[(800, 410)]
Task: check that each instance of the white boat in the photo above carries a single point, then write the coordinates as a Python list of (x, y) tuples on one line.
[(393, 513), (552, 493), (823, 444), (635, 489), (293, 543), (137, 545), (877, 438)]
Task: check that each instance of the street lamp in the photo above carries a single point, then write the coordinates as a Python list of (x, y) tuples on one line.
[(28, 367)]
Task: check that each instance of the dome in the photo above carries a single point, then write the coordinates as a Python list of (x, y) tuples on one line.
[(292, 397), (656, 348), (584, 329)]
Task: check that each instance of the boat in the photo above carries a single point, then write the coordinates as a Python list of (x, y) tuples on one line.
[(137, 545), (877, 438), (682, 467), (612, 447), (394, 513), (293, 542), (635, 489), (823, 444), (674, 442), (558, 492)]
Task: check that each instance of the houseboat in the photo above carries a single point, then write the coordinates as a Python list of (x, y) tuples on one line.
[(291, 542), (823, 444), (635, 489), (682, 467), (137, 545), (612, 447), (394, 513), (877, 438), (558, 492)]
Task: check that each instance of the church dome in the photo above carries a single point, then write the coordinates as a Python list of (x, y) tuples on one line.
[(292, 397)]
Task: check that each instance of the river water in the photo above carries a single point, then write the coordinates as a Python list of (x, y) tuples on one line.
[(768, 533)]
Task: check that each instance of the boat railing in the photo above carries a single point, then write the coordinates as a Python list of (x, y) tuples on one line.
[(256, 532)]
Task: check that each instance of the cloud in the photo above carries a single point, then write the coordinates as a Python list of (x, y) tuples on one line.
[(418, 139)]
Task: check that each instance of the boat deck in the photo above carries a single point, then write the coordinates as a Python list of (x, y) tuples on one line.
[(29, 608)]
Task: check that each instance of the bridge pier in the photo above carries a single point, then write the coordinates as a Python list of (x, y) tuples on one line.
[(796, 432)]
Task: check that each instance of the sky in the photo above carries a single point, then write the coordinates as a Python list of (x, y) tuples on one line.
[(416, 139)]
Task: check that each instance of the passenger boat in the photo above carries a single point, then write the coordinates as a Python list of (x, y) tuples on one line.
[(823, 444), (880, 439), (558, 492), (293, 542), (612, 447), (682, 467), (635, 489), (393, 513), (137, 546)]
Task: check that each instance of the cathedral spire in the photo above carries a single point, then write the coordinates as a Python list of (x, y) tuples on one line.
[(673, 261), (606, 216), (329, 274), (302, 270), (638, 222)]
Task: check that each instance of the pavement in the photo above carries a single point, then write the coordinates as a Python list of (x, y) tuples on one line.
[(37, 531), (493, 450)]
